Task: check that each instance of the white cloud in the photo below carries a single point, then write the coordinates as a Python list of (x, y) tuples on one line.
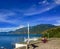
[(48, 19), (57, 23), (10, 29), (33, 11), (5, 14), (21, 26), (43, 2), (38, 12), (57, 2), (53, 18)]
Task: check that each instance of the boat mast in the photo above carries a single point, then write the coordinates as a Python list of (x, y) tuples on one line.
[(28, 35)]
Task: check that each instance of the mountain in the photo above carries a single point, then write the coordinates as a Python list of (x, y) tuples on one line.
[(54, 32), (33, 29)]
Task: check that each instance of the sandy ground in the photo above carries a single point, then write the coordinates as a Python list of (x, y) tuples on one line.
[(53, 43)]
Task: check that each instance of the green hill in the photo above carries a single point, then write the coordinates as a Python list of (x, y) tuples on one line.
[(34, 29), (54, 32)]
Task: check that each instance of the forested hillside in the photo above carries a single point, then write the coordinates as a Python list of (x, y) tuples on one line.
[(54, 32), (34, 29)]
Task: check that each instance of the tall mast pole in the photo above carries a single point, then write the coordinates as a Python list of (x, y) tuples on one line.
[(28, 34)]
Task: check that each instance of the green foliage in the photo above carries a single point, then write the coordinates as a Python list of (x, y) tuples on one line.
[(55, 32), (38, 29)]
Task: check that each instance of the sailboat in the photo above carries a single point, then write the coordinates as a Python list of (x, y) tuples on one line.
[(18, 45), (29, 39)]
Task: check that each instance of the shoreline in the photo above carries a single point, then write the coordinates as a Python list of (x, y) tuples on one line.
[(53, 43)]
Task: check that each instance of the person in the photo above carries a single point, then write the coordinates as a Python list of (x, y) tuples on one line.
[(44, 40)]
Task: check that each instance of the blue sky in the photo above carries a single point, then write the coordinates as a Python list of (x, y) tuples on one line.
[(17, 13)]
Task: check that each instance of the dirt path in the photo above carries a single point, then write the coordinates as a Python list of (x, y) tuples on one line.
[(52, 44)]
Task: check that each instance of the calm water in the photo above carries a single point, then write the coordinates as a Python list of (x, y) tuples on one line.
[(8, 41)]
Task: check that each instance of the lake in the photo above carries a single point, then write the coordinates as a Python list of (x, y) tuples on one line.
[(8, 41)]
